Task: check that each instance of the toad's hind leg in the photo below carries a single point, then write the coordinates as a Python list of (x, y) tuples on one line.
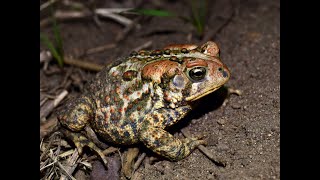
[(80, 141), (75, 115)]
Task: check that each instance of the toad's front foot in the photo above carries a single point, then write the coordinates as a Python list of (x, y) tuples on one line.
[(163, 143), (80, 141)]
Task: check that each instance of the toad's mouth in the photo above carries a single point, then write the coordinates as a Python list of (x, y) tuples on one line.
[(198, 96)]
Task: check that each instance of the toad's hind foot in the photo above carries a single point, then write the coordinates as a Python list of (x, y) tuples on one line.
[(80, 141)]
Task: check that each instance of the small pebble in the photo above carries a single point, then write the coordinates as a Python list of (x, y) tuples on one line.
[(236, 106), (221, 121)]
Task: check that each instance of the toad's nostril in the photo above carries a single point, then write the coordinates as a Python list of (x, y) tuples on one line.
[(225, 74)]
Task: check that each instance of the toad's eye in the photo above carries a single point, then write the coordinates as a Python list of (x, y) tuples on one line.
[(197, 73)]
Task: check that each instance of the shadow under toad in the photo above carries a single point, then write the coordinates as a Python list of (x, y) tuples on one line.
[(202, 106)]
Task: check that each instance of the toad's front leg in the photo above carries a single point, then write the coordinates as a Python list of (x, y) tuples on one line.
[(162, 142)]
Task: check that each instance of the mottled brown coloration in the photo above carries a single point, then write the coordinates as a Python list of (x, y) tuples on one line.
[(136, 98), (196, 62), (210, 48), (157, 70)]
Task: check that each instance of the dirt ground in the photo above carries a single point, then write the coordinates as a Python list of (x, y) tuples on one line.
[(246, 130)]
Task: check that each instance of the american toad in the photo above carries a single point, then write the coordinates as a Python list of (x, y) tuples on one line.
[(136, 98)]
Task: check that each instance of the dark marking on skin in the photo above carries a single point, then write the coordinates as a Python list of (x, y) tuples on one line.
[(173, 58), (129, 107), (167, 51), (115, 117), (176, 113), (105, 125), (225, 74), (142, 53), (134, 127), (140, 119), (127, 134), (133, 53), (180, 152), (135, 59), (129, 91), (170, 119), (116, 135), (129, 75), (184, 50), (157, 143), (155, 118), (156, 52)]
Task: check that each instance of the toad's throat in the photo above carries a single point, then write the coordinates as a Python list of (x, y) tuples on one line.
[(198, 96)]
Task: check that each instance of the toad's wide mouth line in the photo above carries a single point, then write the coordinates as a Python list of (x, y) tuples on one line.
[(193, 98)]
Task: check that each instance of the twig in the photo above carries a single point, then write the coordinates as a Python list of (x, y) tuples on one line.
[(48, 107), (129, 157), (83, 64), (110, 13), (120, 36), (42, 101), (47, 4), (65, 15), (205, 151), (71, 166), (93, 137), (137, 163), (112, 10), (48, 165), (48, 127), (143, 46), (105, 152), (44, 151), (67, 153), (100, 48), (73, 4)]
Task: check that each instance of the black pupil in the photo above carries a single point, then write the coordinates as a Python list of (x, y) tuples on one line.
[(197, 73)]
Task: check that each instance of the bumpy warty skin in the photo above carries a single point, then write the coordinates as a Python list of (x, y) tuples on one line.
[(134, 99)]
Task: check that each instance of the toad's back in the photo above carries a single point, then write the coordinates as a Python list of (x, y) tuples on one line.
[(121, 100)]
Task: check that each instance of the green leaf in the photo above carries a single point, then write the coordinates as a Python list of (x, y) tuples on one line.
[(153, 12), (58, 40), (199, 9)]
